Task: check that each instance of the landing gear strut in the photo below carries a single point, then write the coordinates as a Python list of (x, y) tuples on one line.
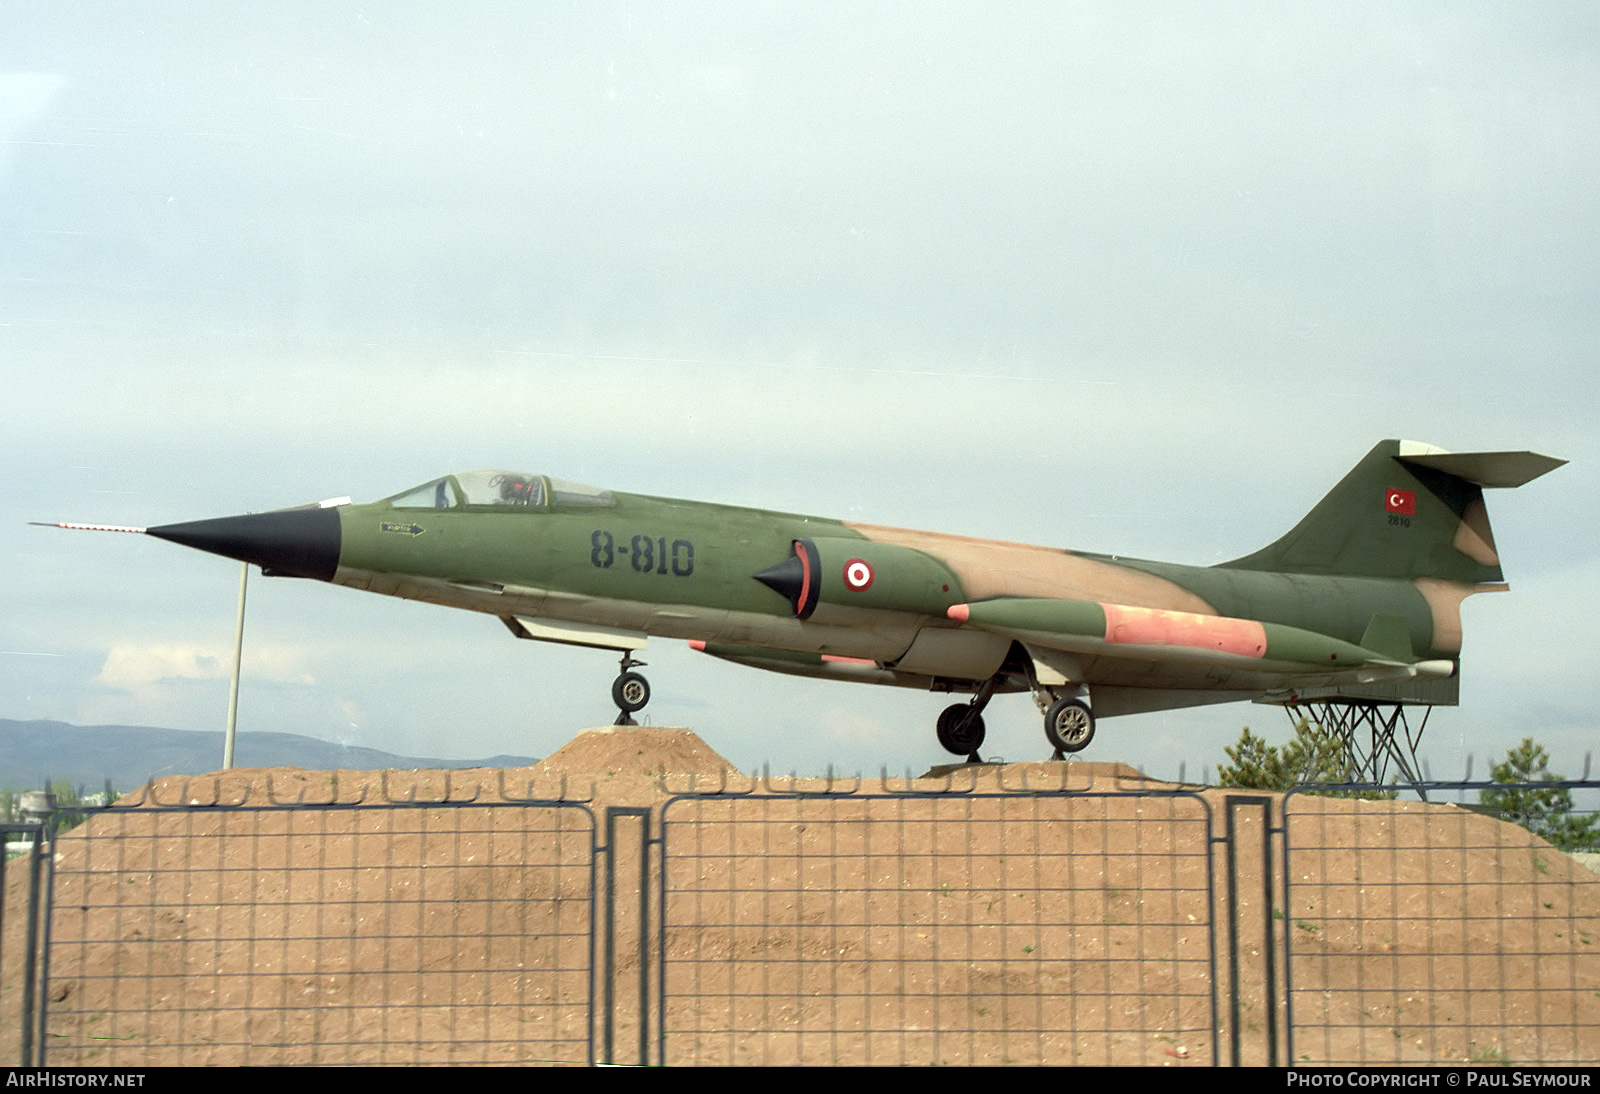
[(960, 727), (629, 690)]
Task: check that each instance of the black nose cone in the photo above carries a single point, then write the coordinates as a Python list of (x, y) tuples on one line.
[(795, 578), (289, 542)]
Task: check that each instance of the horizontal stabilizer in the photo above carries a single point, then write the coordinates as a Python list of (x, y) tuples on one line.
[(1490, 469)]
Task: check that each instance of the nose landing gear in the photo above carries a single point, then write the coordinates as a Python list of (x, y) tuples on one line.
[(629, 690), (960, 726), (961, 731)]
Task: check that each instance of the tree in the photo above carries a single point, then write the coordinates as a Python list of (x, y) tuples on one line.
[(67, 798), (1546, 811), (1310, 756), (65, 794)]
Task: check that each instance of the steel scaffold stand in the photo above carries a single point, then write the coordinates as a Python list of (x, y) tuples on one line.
[(1373, 736)]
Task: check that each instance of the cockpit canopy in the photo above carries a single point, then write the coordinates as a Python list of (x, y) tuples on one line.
[(501, 488)]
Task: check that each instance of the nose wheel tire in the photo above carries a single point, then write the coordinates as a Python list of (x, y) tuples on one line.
[(960, 729), (1069, 725), (630, 692)]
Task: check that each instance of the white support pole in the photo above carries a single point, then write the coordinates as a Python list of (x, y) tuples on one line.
[(233, 686)]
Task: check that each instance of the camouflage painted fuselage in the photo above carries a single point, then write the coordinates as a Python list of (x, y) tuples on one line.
[(944, 611), (1361, 599)]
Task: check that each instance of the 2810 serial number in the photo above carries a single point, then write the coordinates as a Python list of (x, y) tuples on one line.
[(646, 554)]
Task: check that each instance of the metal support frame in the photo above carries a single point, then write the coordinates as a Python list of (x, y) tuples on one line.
[(1389, 740)]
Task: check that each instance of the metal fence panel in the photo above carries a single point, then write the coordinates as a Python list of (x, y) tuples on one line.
[(1424, 933), (369, 934), (944, 929), (21, 904), (800, 928)]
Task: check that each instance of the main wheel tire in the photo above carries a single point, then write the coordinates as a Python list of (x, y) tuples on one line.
[(960, 729), (630, 692), (1069, 724)]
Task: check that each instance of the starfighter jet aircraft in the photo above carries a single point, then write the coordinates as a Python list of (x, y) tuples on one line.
[(1361, 598)]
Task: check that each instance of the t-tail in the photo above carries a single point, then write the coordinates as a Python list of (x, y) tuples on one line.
[(1407, 511)]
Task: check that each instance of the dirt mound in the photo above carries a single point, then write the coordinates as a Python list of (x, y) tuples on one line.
[(636, 750), (609, 765)]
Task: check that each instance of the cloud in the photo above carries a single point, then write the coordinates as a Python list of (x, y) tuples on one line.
[(137, 667), (276, 665), (24, 97)]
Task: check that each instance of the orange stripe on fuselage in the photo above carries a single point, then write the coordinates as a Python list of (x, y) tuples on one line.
[(1156, 627), (805, 576)]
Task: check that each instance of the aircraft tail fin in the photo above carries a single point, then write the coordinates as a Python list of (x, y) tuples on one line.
[(1406, 511)]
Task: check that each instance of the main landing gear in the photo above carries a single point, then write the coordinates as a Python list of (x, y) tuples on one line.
[(1069, 725), (629, 690), (1068, 720), (960, 727)]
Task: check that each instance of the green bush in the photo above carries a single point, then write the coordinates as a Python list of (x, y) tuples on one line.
[(1544, 811), (1312, 756)]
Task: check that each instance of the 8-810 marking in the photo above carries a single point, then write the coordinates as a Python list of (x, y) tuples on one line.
[(648, 555)]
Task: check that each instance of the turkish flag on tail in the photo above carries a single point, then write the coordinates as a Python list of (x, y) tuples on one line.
[(1400, 501)]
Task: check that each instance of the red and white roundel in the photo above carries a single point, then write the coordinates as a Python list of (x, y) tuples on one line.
[(857, 575)]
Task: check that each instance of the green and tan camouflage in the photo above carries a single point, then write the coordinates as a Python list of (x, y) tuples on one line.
[(1361, 598)]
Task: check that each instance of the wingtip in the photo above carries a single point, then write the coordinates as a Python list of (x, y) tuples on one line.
[(959, 612)]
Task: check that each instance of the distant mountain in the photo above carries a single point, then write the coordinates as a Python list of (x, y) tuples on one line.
[(31, 752)]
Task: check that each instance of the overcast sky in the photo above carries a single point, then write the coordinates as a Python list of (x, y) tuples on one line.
[(1145, 281)]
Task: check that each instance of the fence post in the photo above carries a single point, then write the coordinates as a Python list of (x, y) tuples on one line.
[(609, 1021), (29, 1018), (1236, 804)]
